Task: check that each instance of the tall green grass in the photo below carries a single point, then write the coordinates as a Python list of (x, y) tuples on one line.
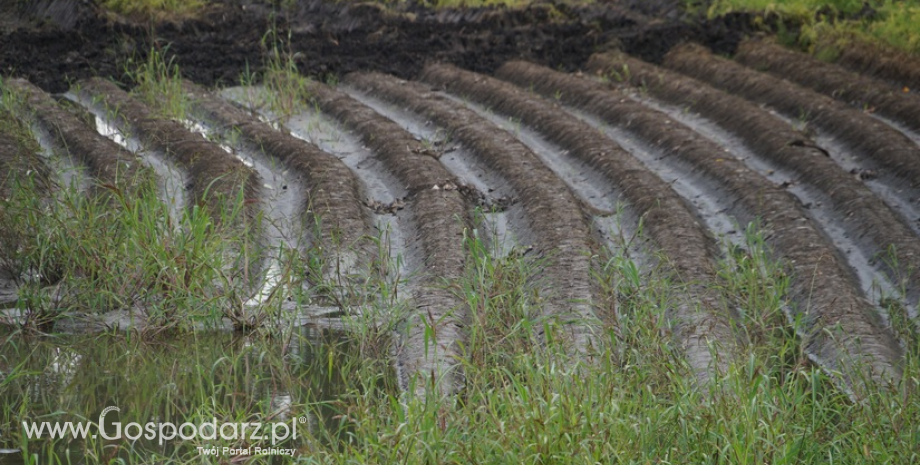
[(893, 23)]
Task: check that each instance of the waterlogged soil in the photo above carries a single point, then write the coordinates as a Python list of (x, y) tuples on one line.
[(205, 377), (675, 179)]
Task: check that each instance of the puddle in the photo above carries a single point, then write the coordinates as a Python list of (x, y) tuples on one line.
[(202, 377)]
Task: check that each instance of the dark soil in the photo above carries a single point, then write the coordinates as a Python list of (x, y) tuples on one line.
[(673, 227), (55, 42), (553, 218), (839, 326), (437, 216), (866, 217)]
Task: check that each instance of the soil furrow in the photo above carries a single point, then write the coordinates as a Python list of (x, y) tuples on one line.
[(555, 218), (382, 194), (319, 190), (864, 93), (216, 178), (840, 328), (867, 220), (894, 155), (20, 165), (488, 190), (599, 199), (171, 179), (702, 319), (438, 216), (107, 161), (887, 63)]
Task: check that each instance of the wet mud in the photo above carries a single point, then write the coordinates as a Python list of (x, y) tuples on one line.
[(701, 320), (841, 330), (553, 217)]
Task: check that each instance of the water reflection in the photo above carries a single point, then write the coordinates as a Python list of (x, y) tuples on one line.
[(195, 378)]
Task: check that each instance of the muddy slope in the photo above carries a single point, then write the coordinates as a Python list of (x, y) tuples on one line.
[(703, 333), (840, 328)]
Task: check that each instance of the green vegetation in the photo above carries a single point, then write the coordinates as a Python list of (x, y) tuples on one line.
[(159, 83), (892, 23), (522, 403)]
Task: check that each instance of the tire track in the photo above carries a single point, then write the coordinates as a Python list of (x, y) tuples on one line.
[(702, 319), (858, 91), (867, 221), (839, 327), (554, 216), (895, 157), (436, 220)]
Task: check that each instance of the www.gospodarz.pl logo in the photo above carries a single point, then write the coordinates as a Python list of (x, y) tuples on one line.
[(275, 432)]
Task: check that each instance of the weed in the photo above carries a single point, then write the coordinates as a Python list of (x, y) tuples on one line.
[(159, 83), (286, 89)]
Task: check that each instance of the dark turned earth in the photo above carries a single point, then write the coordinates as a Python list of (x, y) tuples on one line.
[(55, 42)]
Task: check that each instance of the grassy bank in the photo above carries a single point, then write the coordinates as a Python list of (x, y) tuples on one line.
[(831, 23)]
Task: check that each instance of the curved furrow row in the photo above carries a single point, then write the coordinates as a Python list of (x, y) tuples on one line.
[(221, 186), (702, 319), (171, 180), (840, 328), (311, 187), (215, 177), (553, 215), (864, 93), (109, 163), (899, 67), (484, 187), (895, 157), (438, 216), (20, 164), (871, 224)]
